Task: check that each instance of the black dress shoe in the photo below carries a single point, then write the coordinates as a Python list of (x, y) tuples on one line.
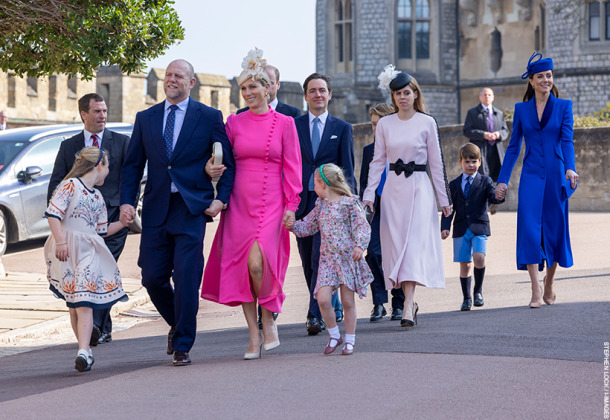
[(95, 336), (339, 316), (396, 314), (181, 358), (378, 313), (313, 326), (105, 338), (170, 335), (466, 305), (478, 299)]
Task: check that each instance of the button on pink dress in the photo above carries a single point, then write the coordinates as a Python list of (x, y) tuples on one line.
[(410, 230), (267, 183)]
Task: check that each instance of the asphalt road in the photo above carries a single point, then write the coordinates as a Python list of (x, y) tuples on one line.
[(503, 361)]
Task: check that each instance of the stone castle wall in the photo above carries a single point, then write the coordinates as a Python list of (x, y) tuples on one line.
[(591, 150), (53, 100)]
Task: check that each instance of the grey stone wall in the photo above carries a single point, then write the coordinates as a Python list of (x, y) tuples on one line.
[(373, 41), (591, 149), (581, 66)]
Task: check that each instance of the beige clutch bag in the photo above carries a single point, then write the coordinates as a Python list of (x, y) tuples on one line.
[(217, 153)]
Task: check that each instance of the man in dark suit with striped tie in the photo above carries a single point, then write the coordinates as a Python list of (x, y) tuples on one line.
[(93, 112)]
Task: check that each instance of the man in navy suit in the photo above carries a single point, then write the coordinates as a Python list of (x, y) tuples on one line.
[(93, 112), (274, 103), (176, 138), (324, 139)]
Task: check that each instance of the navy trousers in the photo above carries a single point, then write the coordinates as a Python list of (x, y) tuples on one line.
[(175, 250), (373, 259), (115, 243), (309, 250)]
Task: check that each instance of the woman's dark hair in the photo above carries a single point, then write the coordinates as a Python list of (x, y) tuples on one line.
[(529, 92)]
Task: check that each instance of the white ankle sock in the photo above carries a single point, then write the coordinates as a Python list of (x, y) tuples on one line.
[(350, 339), (334, 334), (83, 352)]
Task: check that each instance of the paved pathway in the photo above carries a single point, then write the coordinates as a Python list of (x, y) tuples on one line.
[(503, 361)]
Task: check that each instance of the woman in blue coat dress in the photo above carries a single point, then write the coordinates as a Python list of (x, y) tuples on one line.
[(548, 178)]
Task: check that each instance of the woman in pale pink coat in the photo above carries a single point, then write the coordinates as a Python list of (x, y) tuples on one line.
[(249, 257), (410, 231)]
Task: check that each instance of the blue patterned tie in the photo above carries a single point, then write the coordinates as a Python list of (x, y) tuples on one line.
[(168, 134), (95, 139), (315, 136), (467, 187)]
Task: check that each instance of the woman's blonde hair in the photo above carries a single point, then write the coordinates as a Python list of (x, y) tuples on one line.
[(334, 179), (419, 104), (87, 159), (381, 110)]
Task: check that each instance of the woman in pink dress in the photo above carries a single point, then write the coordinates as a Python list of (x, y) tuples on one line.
[(249, 257), (409, 228)]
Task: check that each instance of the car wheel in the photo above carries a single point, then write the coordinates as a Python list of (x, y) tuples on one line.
[(3, 233), (136, 226)]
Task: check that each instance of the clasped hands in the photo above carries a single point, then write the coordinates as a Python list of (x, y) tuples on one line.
[(491, 136), (128, 213), (289, 219)]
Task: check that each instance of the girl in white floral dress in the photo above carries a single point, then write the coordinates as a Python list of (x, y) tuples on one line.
[(345, 234), (80, 268)]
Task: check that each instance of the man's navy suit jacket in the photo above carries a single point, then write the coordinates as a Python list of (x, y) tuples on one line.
[(471, 212), (186, 168), (282, 108), (336, 146), (114, 144)]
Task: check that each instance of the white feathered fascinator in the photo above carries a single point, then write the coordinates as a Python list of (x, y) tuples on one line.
[(253, 66), (386, 76)]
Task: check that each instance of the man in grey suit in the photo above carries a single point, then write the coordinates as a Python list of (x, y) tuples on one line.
[(485, 127), (93, 112)]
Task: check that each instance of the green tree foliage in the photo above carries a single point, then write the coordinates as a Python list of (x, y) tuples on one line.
[(74, 37)]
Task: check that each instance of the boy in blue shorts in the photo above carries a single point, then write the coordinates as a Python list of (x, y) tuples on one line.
[(470, 194)]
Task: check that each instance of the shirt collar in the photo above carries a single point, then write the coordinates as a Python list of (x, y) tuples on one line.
[(465, 177), (88, 134), (322, 117), (489, 108), (273, 103), (181, 105)]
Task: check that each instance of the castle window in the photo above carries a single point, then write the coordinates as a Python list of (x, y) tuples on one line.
[(607, 19), (413, 29), (594, 21), (343, 35)]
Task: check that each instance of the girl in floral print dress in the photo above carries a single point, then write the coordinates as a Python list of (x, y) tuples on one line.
[(80, 268), (345, 234)]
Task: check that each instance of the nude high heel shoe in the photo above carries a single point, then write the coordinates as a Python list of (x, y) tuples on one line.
[(535, 304), (257, 355), (548, 300), (274, 344)]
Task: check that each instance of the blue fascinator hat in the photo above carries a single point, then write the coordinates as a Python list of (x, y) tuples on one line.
[(537, 64)]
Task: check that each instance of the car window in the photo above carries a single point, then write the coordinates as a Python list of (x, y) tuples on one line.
[(8, 151), (41, 154)]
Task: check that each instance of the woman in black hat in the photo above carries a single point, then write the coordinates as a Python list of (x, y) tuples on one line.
[(548, 178), (409, 228)]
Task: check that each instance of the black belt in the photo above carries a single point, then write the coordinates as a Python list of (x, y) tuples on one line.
[(407, 168)]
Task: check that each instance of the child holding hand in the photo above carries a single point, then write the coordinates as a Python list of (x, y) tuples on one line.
[(80, 268), (345, 234), (470, 194)]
